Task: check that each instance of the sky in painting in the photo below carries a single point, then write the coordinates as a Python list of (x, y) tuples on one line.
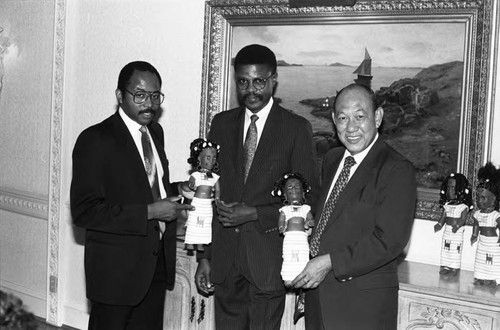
[(389, 44)]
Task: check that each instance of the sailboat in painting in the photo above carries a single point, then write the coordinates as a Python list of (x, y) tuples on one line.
[(364, 71)]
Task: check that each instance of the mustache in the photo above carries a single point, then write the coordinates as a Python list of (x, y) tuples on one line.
[(246, 96)]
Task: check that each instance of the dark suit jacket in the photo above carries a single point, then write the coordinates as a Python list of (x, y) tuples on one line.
[(109, 196), (285, 145), (367, 230)]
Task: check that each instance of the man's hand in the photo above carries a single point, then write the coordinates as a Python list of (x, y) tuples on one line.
[(314, 273), (167, 209), (235, 214), (202, 277)]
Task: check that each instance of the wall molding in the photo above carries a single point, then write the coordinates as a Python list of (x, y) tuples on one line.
[(54, 295), (24, 202)]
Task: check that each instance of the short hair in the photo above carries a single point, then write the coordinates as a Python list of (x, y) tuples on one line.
[(255, 54), (368, 90), (129, 69), (462, 189)]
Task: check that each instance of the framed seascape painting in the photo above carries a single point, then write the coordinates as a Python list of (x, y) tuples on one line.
[(425, 60)]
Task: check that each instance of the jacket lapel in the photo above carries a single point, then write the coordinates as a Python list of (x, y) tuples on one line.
[(359, 179), (126, 143)]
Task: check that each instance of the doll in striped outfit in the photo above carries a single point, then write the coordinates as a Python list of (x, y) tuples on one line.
[(486, 226), (205, 185), (294, 223), (456, 201)]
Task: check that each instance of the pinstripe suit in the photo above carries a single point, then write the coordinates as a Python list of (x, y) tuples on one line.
[(285, 145)]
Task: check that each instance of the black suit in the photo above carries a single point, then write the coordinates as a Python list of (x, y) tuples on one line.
[(285, 145), (110, 192), (367, 230)]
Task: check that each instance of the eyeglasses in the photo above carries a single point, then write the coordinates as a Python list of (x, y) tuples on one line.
[(258, 83), (141, 97)]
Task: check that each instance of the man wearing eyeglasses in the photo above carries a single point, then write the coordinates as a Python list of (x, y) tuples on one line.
[(122, 196), (260, 141)]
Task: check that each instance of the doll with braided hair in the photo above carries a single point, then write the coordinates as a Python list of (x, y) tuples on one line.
[(295, 221), (204, 182), (486, 226), (456, 201)]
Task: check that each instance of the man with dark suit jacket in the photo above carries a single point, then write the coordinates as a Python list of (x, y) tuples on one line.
[(244, 259), (121, 195), (353, 277)]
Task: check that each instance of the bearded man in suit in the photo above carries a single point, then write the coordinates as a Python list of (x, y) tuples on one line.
[(244, 259), (122, 196), (352, 279)]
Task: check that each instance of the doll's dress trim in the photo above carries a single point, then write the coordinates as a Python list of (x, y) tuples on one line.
[(452, 243), (487, 261), (199, 222), (295, 245)]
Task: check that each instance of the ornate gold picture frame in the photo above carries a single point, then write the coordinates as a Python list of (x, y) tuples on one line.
[(223, 19)]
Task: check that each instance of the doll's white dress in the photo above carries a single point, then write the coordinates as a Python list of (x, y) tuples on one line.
[(487, 263), (295, 245), (199, 222), (452, 243)]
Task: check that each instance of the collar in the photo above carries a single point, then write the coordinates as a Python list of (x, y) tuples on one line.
[(132, 126)]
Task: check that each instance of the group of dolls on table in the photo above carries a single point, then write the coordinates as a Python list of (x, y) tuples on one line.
[(202, 189), (458, 210)]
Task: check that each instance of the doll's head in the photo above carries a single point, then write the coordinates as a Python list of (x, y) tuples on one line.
[(291, 188), (204, 155), (456, 188), (488, 188)]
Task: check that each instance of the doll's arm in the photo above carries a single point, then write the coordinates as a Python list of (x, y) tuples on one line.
[(185, 188), (498, 227), (282, 222), (475, 230), (217, 191), (461, 223), (309, 220), (439, 225)]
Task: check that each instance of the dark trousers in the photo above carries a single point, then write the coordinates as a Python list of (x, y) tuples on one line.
[(239, 304), (148, 314)]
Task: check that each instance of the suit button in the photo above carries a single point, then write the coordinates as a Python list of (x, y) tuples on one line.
[(157, 228), (350, 278), (155, 253), (237, 230), (342, 280)]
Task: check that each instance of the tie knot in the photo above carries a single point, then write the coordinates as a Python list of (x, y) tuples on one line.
[(349, 162), (143, 129), (254, 118)]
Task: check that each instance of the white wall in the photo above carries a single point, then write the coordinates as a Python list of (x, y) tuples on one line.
[(101, 37), (26, 57)]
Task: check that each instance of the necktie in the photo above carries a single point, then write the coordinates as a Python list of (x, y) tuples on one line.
[(150, 165), (330, 203), (149, 162), (250, 144)]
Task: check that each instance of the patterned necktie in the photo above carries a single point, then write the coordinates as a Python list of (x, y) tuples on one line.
[(250, 145), (150, 164), (330, 203)]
